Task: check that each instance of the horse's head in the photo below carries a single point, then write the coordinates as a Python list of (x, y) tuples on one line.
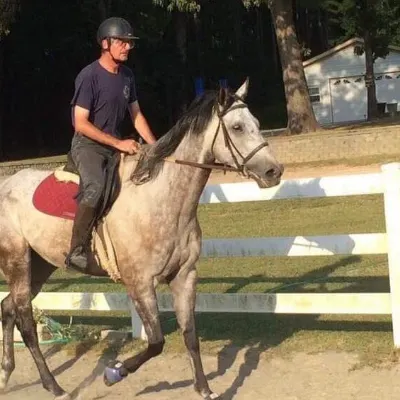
[(238, 141)]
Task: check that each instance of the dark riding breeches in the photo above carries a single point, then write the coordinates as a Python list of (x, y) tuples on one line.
[(90, 159)]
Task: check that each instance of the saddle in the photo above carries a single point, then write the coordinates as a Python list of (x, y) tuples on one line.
[(59, 193)]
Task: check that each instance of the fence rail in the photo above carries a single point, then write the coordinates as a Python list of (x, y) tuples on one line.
[(387, 183)]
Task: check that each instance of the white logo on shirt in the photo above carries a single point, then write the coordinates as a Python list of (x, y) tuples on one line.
[(126, 92)]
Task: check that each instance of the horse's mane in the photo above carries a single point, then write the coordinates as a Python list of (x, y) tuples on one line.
[(193, 122)]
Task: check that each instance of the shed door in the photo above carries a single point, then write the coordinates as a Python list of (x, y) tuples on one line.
[(348, 98)]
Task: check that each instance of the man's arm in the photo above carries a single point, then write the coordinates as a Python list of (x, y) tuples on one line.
[(140, 123), (85, 127)]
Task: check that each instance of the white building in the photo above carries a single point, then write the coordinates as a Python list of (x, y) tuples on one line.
[(336, 82)]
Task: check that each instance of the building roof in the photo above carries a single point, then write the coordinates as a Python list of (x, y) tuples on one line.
[(338, 48)]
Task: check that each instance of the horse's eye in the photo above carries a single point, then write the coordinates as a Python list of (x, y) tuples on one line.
[(237, 127)]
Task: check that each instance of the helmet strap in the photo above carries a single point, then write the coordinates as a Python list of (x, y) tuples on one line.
[(108, 49)]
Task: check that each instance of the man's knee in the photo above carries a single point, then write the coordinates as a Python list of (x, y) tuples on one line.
[(92, 193)]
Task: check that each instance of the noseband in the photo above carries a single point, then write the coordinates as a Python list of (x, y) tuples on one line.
[(240, 167)]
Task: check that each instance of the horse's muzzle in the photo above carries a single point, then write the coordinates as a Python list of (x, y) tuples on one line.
[(270, 178)]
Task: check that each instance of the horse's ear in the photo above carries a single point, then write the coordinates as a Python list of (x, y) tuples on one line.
[(242, 91), (222, 96)]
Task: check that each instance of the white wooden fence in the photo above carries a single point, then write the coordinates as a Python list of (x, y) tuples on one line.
[(387, 182)]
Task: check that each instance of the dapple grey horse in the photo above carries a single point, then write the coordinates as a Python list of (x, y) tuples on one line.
[(153, 226)]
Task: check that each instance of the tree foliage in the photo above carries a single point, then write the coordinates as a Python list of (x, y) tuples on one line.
[(381, 18), (377, 23), (44, 44), (180, 5)]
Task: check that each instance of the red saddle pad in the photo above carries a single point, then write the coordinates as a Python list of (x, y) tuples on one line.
[(56, 198)]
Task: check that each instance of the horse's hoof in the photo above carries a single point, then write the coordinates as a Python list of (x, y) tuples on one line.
[(114, 373), (212, 396), (3, 379), (65, 396)]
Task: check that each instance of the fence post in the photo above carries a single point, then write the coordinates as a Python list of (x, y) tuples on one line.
[(391, 178), (137, 325)]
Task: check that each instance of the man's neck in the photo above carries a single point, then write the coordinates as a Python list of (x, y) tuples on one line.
[(108, 63)]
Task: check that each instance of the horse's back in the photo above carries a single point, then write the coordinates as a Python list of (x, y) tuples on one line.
[(21, 184), (16, 192)]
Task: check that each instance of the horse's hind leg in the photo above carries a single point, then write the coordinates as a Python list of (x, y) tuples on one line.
[(22, 287), (40, 273), (145, 300), (8, 316), (183, 287)]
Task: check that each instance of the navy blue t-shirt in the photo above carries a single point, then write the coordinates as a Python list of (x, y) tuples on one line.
[(105, 95)]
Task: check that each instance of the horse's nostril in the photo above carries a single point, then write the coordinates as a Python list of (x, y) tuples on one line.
[(270, 173), (273, 173)]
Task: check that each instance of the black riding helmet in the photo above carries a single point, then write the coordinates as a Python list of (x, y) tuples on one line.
[(115, 28)]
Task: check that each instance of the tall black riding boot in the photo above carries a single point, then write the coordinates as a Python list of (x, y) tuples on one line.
[(80, 241)]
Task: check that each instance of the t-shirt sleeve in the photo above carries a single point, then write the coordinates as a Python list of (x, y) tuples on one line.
[(84, 92), (132, 91)]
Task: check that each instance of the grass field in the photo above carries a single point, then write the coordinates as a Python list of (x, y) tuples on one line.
[(370, 336)]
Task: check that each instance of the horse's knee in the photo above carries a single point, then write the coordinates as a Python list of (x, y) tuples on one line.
[(23, 308), (24, 320), (7, 309), (92, 193), (156, 349)]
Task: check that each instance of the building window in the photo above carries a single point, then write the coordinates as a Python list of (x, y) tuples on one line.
[(314, 94)]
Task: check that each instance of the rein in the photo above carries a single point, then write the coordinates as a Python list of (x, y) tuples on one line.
[(240, 167)]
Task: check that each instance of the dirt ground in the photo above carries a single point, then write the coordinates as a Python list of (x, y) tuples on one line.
[(245, 374), (240, 374)]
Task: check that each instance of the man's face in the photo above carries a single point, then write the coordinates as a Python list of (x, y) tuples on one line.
[(119, 48)]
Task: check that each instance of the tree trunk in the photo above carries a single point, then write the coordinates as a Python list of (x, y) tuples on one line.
[(300, 113), (372, 108)]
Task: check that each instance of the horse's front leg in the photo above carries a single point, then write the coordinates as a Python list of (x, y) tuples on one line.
[(145, 300), (183, 287)]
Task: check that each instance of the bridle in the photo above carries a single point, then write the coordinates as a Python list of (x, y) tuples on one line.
[(240, 167)]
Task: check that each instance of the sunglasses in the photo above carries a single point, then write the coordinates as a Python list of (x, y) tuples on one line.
[(123, 42)]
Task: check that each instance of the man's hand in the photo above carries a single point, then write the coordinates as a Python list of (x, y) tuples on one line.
[(129, 146)]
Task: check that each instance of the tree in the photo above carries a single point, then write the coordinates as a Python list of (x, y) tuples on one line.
[(300, 113), (377, 22), (181, 9)]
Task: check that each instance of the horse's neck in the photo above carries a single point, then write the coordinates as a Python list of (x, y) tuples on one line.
[(181, 184), (187, 180)]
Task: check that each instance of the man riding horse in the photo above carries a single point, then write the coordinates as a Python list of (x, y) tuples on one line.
[(104, 90)]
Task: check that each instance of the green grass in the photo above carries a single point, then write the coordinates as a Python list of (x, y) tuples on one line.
[(369, 336), (291, 217)]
